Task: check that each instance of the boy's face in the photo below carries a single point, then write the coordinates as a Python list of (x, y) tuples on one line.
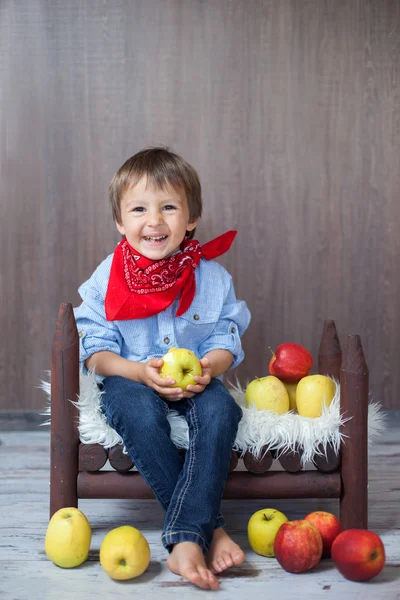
[(154, 221)]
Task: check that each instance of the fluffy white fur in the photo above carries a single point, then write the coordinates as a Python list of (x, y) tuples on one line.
[(259, 430)]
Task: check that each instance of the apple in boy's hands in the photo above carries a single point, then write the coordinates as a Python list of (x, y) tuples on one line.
[(262, 529), (182, 365), (358, 554), (329, 527), (298, 546), (290, 362)]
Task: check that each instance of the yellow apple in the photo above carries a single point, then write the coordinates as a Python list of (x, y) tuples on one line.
[(182, 365), (68, 538), (268, 393), (291, 390), (124, 553), (262, 529), (312, 393)]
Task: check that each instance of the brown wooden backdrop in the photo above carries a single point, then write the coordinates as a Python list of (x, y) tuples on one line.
[(289, 110)]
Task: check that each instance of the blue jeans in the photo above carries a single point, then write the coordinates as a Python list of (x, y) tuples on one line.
[(189, 489)]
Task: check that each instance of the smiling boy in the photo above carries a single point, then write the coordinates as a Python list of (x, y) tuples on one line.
[(161, 288)]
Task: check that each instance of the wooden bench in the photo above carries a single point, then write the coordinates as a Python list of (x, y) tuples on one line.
[(74, 467)]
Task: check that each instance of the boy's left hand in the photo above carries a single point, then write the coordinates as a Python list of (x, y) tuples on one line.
[(202, 380)]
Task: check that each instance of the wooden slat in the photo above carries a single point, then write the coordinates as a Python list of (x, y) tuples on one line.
[(119, 461), (240, 485), (64, 418), (327, 462), (354, 378), (330, 351), (258, 466), (92, 457), (291, 461)]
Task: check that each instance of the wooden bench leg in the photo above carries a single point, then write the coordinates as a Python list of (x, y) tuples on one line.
[(64, 437), (354, 378)]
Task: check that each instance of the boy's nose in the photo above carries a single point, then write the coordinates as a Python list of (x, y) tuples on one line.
[(155, 218)]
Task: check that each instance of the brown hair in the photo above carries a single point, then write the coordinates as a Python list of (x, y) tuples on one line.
[(162, 168)]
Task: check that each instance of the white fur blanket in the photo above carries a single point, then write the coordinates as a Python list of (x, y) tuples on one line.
[(259, 430)]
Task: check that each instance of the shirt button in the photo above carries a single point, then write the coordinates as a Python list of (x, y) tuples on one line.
[(196, 317), (80, 334), (233, 330), (166, 340)]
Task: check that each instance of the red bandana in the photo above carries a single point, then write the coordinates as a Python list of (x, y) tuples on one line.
[(140, 287)]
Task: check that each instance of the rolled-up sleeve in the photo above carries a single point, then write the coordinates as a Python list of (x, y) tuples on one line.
[(96, 334), (233, 322)]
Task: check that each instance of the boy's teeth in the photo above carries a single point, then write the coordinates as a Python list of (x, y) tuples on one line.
[(155, 238)]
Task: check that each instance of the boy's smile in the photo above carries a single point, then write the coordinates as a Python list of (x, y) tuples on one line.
[(154, 221)]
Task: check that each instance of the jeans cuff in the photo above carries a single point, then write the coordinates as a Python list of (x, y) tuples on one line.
[(170, 538), (220, 522)]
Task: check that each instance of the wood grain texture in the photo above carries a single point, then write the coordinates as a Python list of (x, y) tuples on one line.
[(290, 112)]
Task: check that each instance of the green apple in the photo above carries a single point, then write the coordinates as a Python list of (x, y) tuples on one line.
[(312, 393), (268, 393), (291, 390), (181, 365), (68, 538), (124, 553), (262, 529)]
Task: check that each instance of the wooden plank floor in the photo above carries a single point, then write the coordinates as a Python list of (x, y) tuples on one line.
[(25, 571)]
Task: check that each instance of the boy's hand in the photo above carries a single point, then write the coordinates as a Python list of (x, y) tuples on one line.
[(152, 378), (202, 380)]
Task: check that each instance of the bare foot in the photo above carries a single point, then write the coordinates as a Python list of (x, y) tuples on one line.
[(223, 552), (187, 559)]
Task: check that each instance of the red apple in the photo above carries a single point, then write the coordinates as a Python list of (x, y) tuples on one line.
[(358, 554), (290, 362), (298, 546), (329, 527)]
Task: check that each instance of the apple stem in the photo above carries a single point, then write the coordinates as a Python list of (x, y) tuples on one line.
[(267, 518), (270, 349)]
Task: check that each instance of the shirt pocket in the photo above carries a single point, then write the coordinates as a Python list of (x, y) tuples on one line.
[(197, 324)]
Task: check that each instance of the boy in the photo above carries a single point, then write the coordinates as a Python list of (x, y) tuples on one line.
[(158, 290)]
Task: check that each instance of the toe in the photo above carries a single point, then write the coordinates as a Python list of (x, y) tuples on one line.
[(212, 580), (216, 567), (227, 558), (238, 557), (209, 581), (196, 576), (221, 564)]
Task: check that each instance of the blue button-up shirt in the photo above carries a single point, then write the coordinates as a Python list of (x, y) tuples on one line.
[(214, 320)]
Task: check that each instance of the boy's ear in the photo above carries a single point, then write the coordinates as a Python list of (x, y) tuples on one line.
[(191, 226), (120, 228)]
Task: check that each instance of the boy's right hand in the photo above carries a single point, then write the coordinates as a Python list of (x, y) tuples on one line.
[(151, 376)]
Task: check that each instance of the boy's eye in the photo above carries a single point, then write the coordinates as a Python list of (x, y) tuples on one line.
[(169, 207), (138, 209)]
